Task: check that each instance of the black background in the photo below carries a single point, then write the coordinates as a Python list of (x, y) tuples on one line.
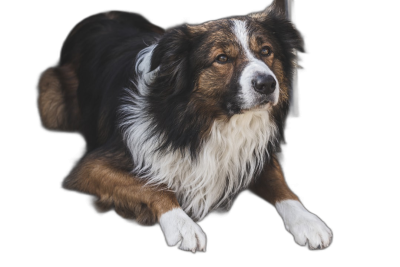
[(321, 158)]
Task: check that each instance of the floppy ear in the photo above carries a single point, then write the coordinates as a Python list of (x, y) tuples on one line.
[(172, 47), (171, 57)]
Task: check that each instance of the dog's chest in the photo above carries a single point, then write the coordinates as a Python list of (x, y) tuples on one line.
[(228, 159), (232, 155)]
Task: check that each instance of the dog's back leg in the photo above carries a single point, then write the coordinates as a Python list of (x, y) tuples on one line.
[(58, 103)]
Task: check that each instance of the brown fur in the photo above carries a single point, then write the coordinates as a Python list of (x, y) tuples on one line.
[(131, 198), (213, 81), (51, 100), (271, 184), (58, 103)]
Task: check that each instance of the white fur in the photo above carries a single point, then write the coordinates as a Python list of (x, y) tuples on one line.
[(142, 67), (254, 67), (303, 225), (177, 226), (228, 159)]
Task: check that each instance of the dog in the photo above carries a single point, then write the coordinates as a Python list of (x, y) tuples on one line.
[(178, 122)]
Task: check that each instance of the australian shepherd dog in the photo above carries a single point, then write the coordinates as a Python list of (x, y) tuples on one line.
[(177, 122)]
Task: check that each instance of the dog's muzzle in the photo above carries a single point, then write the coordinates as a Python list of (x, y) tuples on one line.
[(259, 86)]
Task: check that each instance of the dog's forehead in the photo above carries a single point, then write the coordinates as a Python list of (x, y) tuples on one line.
[(227, 30), (222, 27)]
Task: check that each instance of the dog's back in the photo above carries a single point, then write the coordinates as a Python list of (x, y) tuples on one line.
[(77, 95)]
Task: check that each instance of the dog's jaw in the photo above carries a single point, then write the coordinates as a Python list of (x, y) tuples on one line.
[(303, 225), (176, 226)]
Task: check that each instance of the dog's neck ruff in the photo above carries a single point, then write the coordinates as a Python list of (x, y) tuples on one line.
[(227, 161)]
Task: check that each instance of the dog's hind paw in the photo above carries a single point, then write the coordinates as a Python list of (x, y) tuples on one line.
[(177, 225), (303, 225)]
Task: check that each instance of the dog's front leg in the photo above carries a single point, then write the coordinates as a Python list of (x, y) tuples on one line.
[(132, 198), (305, 226)]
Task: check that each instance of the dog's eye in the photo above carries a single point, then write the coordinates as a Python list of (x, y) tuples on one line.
[(222, 58), (266, 51)]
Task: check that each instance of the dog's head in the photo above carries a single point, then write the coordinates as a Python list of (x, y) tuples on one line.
[(221, 68)]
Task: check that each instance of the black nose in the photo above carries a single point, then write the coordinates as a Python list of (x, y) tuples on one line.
[(264, 84)]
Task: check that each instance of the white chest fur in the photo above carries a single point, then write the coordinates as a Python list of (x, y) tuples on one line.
[(230, 157)]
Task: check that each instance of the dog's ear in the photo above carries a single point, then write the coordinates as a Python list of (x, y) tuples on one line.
[(281, 7), (171, 58), (277, 7), (276, 18), (171, 48)]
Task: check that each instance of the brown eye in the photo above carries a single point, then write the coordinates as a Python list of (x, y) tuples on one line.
[(222, 58), (266, 51)]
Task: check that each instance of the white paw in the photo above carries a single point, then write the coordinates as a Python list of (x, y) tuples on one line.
[(303, 225), (177, 226)]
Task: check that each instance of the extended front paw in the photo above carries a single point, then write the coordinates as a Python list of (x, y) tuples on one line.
[(312, 230), (303, 225), (177, 225)]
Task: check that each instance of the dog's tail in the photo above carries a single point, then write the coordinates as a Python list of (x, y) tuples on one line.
[(58, 103)]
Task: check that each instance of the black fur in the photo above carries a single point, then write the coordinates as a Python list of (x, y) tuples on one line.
[(102, 49)]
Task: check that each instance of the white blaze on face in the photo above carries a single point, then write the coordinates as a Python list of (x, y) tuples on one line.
[(253, 68)]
